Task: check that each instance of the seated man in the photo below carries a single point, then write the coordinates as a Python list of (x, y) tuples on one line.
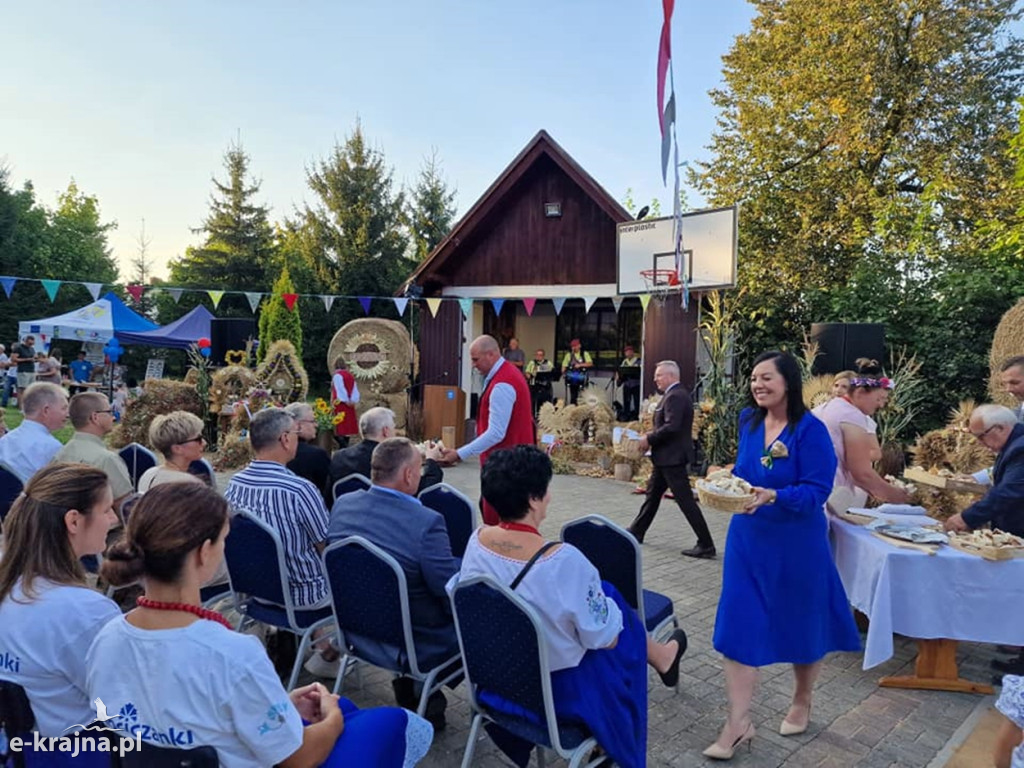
[(389, 516), (540, 386), (376, 425), (29, 447)]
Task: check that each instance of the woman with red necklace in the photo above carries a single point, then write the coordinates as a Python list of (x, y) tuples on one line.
[(852, 430), (597, 649), (178, 674)]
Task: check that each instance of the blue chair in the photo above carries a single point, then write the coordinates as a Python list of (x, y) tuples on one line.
[(458, 511), (10, 487), (138, 459), (16, 719), (203, 469), (511, 663), (349, 483), (616, 555), (152, 756), (370, 598), (259, 581)]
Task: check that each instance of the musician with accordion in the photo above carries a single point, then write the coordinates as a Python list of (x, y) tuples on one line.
[(576, 366)]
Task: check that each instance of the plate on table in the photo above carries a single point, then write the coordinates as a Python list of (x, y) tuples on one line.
[(913, 534)]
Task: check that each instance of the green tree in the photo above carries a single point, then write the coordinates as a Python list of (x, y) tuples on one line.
[(276, 320), (78, 247), (432, 209)]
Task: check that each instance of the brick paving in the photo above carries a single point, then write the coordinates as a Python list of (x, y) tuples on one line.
[(854, 722)]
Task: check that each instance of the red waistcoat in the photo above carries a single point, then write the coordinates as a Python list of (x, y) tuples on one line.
[(520, 423)]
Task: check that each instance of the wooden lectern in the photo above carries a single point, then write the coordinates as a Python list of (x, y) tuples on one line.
[(443, 406)]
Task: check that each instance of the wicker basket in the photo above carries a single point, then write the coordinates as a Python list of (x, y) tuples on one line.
[(721, 502)]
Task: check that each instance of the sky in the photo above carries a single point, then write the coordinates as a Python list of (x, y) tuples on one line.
[(139, 101)]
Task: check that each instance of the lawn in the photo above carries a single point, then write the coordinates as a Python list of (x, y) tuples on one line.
[(13, 417)]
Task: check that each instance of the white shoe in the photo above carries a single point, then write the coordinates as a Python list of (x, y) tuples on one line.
[(317, 666)]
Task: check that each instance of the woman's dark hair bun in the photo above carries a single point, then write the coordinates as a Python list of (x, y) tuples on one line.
[(868, 367)]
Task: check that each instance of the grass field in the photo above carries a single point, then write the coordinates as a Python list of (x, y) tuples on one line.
[(13, 417)]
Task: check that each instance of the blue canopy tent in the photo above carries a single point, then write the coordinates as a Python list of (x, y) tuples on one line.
[(96, 322), (180, 334)]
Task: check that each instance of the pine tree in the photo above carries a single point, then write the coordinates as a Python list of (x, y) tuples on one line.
[(433, 209), (277, 321)]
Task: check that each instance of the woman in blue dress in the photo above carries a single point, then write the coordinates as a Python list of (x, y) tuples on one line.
[(782, 600)]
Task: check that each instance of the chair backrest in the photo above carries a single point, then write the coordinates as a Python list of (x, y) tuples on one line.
[(458, 511), (138, 458), (16, 715), (369, 594), (152, 756), (203, 469), (349, 483), (511, 663), (10, 487), (613, 551), (256, 564)]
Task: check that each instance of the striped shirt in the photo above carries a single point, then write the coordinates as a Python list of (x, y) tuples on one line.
[(293, 507)]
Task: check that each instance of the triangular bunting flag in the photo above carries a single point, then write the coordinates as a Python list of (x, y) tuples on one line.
[(559, 303), (328, 302), (215, 297), (400, 305), (497, 304), (51, 286), (617, 303), (8, 284), (645, 299), (289, 300), (253, 297), (365, 301), (588, 302), (94, 289), (135, 291), (466, 305), (434, 304), (529, 304), (176, 294)]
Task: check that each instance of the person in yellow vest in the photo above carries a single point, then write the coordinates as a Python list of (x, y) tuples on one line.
[(630, 384), (540, 386), (575, 365)]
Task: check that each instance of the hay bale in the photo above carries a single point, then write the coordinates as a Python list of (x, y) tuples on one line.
[(158, 396), (282, 373), (817, 390), (378, 354), (1007, 342)]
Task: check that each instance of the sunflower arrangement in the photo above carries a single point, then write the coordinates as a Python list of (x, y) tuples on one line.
[(325, 419)]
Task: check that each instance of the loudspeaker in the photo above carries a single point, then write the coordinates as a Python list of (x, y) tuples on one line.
[(841, 344), (227, 334)]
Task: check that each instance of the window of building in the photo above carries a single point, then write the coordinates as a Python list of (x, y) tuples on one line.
[(602, 332)]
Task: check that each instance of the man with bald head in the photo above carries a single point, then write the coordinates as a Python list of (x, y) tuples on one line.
[(505, 416)]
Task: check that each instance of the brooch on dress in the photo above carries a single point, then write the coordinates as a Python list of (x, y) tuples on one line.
[(776, 450)]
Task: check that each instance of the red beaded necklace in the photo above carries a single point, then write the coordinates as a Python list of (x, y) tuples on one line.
[(195, 610), (518, 527)]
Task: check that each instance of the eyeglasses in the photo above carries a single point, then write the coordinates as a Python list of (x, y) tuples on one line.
[(196, 439), (107, 410), (982, 435)]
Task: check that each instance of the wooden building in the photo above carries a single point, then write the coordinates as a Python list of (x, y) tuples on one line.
[(544, 230)]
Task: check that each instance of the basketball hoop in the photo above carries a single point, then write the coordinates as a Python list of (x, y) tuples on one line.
[(659, 282)]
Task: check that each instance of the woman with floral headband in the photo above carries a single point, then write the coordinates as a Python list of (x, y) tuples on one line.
[(853, 433), (782, 601)]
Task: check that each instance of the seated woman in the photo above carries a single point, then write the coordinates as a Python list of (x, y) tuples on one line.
[(597, 648), (171, 667), (178, 436), (48, 615), (852, 431)]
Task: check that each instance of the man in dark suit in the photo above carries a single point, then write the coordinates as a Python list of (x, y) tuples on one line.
[(671, 445), (390, 516), (376, 425), (311, 461)]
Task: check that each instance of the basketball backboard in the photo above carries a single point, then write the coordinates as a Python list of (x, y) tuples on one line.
[(709, 250)]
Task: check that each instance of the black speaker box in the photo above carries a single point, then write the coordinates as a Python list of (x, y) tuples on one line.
[(229, 333), (841, 344)]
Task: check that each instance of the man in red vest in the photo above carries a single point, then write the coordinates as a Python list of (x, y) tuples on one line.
[(505, 417)]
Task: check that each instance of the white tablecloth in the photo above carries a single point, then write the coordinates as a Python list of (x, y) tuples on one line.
[(948, 595)]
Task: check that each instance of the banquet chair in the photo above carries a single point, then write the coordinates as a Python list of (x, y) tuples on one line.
[(616, 555), (138, 458), (203, 469), (258, 580), (370, 598), (458, 511), (513, 665), (349, 483), (16, 719), (10, 487)]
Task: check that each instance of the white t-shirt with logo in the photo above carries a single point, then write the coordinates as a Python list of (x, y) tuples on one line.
[(42, 648), (200, 685)]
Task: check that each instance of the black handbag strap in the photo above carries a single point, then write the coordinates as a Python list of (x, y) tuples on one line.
[(529, 564)]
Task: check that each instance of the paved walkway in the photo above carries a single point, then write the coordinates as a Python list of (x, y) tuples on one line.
[(854, 723)]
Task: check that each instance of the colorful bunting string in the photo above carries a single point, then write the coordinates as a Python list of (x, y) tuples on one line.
[(434, 305), (617, 303), (559, 303), (466, 305), (400, 305), (94, 289), (51, 287), (588, 302), (528, 305), (497, 304), (175, 293), (135, 291), (365, 301), (289, 300), (8, 284), (327, 299), (215, 297), (254, 300), (645, 299)]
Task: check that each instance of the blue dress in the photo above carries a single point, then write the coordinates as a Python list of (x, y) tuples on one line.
[(782, 600)]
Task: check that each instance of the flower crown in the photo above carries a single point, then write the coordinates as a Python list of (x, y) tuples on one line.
[(872, 383)]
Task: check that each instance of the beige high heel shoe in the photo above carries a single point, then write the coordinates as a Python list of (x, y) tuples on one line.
[(791, 729), (718, 752)]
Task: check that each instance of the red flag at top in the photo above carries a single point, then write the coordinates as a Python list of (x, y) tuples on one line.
[(135, 291), (290, 299)]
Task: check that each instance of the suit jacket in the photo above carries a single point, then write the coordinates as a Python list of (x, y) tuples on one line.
[(672, 439), (416, 536), (312, 462), (1003, 505), (356, 460)]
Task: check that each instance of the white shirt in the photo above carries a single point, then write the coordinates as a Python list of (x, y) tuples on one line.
[(565, 590), (341, 395), (42, 648), (28, 448), (200, 685), (502, 400)]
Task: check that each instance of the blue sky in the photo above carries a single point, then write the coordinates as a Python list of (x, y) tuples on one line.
[(138, 101)]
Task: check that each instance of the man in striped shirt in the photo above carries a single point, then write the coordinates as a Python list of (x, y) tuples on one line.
[(289, 504)]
